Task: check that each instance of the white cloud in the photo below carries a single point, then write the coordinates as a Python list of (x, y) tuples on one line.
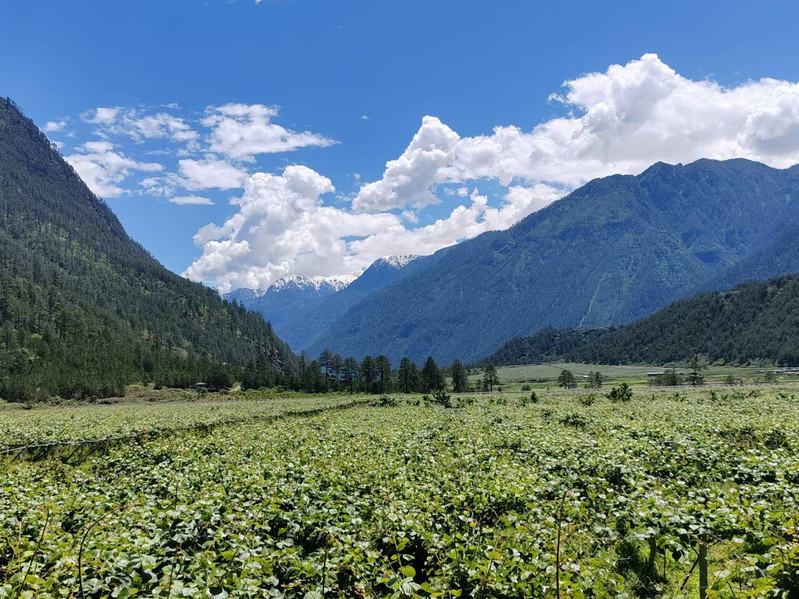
[(407, 180), (54, 126), (625, 119), (137, 124), (210, 173), (101, 116), (241, 131), (618, 121), (158, 126), (102, 168), (283, 227), (191, 201)]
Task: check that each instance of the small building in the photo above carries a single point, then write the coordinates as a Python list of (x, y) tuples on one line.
[(201, 387)]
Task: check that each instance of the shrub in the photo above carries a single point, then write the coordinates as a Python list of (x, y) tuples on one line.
[(621, 393)]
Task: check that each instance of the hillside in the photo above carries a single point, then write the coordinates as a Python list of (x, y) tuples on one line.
[(301, 308), (754, 323), (84, 309), (615, 250)]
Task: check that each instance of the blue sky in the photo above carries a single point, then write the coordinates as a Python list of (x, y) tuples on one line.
[(319, 95)]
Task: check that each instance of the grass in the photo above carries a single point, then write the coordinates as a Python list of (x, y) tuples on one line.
[(543, 376)]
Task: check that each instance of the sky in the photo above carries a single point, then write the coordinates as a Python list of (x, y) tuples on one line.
[(243, 141)]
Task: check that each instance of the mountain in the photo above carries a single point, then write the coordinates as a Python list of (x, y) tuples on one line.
[(612, 251), (755, 322), (301, 308), (290, 302), (85, 310), (243, 295)]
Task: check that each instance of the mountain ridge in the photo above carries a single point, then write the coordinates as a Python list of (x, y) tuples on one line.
[(612, 251), (301, 308), (755, 322)]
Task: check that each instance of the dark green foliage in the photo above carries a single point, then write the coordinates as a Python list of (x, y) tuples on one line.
[(408, 376), (566, 379), (697, 363), (614, 250), (754, 323), (432, 378), (490, 377), (85, 310), (460, 380), (622, 393), (670, 378), (383, 368), (595, 380)]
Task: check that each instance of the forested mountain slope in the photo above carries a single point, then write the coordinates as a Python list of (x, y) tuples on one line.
[(756, 322), (612, 251), (84, 309)]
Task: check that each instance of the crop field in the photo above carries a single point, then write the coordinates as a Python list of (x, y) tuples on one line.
[(541, 376), (685, 493), (91, 423)]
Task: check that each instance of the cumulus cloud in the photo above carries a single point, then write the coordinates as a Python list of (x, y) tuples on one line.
[(283, 227), (210, 173), (242, 131), (621, 121), (102, 168), (101, 116), (618, 121), (54, 126)]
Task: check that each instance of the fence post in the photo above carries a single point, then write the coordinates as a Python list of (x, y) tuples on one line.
[(702, 570)]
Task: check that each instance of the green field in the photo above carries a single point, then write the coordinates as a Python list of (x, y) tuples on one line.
[(513, 377), (406, 498)]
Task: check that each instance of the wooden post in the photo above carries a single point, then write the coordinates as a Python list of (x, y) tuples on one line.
[(653, 551), (702, 570)]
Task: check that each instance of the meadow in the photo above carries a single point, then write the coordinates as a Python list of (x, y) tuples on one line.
[(679, 493), (543, 376)]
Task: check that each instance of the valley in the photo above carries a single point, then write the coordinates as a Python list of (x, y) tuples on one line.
[(423, 300)]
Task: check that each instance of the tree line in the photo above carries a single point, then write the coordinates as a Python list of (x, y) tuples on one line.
[(331, 372)]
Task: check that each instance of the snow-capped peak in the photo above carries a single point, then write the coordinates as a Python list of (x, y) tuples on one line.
[(399, 261), (336, 283)]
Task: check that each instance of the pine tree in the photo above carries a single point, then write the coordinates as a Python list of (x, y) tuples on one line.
[(460, 380), (490, 377), (368, 372), (432, 379), (383, 368)]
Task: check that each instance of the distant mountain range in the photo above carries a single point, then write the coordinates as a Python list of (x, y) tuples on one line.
[(85, 310), (615, 250), (301, 308), (756, 322)]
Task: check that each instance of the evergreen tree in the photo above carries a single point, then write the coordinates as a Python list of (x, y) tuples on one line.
[(566, 380), (368, 372), (696, 363), (336, 363), (490, 377), (350, 371), (383, 371), (432, 379), (408, 375), (460, 380)]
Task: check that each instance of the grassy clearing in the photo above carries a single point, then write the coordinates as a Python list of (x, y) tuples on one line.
[(543, 376)]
